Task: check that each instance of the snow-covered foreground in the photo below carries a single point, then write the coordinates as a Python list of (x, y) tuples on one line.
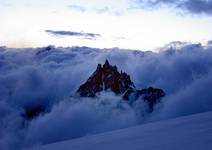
[(192, 132)]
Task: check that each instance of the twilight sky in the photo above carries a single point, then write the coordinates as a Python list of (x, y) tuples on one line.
[(135, 24)]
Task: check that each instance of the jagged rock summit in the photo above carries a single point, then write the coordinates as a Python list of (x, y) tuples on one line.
[(107, 77)]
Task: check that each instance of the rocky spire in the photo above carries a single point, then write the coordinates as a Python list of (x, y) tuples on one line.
[(107, 77)]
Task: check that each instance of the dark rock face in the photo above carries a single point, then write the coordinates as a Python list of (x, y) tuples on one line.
[(150, 95), (107, 77)]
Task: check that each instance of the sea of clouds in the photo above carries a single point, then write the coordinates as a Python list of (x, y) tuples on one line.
[(49, 77)]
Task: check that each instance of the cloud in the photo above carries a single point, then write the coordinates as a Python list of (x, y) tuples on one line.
[(87, 116), (98, 10), (209, 42), (90, 36), (102, 10), (193, 99), (48, 77), (108, 7), (77, 8), (6, 4), (191, 6), (109, 10)]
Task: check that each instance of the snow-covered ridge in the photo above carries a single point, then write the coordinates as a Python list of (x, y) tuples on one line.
[(192, 132)]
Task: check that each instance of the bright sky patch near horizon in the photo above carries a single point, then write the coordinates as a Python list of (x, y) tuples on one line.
[(118, 23)]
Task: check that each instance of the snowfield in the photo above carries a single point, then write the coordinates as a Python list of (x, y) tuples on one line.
[(192, 132)]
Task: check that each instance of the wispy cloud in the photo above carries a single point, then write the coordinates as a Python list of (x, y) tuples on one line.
[(90, 36), (98, 10), (109, 10), (77, 8), (6, 4)]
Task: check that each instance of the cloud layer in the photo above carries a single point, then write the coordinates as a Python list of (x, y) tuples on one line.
[(48, 77)]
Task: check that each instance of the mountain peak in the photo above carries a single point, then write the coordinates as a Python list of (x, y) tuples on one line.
[(107, 77)]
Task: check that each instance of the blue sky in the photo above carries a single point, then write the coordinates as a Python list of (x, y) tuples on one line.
[(134, 24)]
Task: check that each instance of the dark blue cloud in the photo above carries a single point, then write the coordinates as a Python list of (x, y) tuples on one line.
[(191, 6)]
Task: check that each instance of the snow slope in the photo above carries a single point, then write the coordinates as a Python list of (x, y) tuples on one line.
[(192, 132)]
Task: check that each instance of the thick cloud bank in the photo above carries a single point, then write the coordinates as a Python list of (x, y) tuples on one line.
[(48, 78)]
